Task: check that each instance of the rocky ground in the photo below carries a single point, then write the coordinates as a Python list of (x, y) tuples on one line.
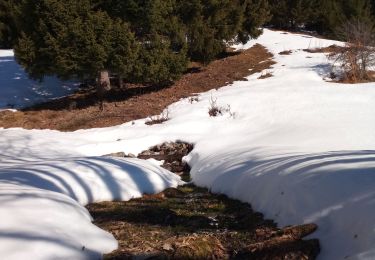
[(192, 223)]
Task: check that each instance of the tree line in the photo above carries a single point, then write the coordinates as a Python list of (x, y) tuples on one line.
[(321, 16), (151, 41), (141, 41)]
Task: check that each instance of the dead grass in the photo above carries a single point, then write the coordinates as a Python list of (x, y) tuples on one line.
[(287, 52), (191, 223), (137, 101), (352, 80), (329, 49), (265, 75)]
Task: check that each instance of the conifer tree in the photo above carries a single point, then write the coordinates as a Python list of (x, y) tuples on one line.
[(9, 9), (291, 14), (256, 14), (159, 32), (70, 40), (323, 16), (329, 15), (145, 41), (358, 9), (210, 23)]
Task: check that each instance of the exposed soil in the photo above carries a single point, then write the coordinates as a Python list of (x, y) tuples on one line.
[(192, 223), (329, 49), (288, 52), (81, 110), (265, 76)]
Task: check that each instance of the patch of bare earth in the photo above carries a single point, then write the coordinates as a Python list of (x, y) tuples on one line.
[(287, 52), (329, 49), (265, 75), (81, 111), (192, 223)]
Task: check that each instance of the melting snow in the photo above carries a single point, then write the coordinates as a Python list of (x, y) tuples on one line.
[(299, 149)]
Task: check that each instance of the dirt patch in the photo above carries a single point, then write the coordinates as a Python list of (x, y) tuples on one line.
[(289, 52), (329, 49), (265, 75), (80, 111), (192, 223)]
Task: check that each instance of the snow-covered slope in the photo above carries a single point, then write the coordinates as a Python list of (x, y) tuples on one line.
[(17, 90), (296, 147)]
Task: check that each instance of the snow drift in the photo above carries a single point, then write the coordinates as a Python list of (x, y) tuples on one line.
[(41, 203)]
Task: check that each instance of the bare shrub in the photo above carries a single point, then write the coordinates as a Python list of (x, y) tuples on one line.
[(265, 75), (153, 120), (358, 55), (228, 110), (215, 110), (286, 52), (193, 99)]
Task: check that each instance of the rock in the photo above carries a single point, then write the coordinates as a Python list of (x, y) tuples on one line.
[(171, 153)]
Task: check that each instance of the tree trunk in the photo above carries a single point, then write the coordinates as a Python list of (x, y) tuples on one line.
[(120, 84), (103, 85)]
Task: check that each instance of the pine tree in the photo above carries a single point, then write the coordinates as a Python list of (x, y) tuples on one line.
[(70, 40), (358, 9), (256, 14), (143, 41), (9, 9), (162, 57), (323, 16), (329, 15), (211, 23), (291, 14)]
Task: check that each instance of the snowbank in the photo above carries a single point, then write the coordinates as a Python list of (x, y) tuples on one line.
[(41, 203), (299, 149)]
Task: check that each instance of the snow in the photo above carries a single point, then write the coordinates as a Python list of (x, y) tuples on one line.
[(41, 203), (299, 149), (18, 91)]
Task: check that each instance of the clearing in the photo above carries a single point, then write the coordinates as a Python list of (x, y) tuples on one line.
[(297, 148)]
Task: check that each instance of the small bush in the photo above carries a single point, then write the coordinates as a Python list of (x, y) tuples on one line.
[(265, 75), (215, 110), (358, 55), (288, 52), (154, 120)]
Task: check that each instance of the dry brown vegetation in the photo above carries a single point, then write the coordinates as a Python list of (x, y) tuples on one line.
[(329, 49), (80, 111), (357, 57), (265, 75), (287, 52), (192, 223)]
